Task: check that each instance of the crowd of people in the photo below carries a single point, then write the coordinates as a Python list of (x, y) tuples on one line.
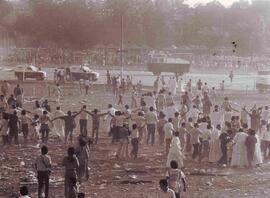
[(189, 125), (111, 57)]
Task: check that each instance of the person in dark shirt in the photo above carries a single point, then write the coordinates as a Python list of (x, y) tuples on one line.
[(122, 150), (46, 106), (224, 140), (13, 127), (70, 124), (18, 93), (11, 100)]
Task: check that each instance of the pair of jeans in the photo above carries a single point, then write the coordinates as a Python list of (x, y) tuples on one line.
[(44, 132), (13, 134), (83, 127), (223, 159), (43, 180), (68, 132), (95, 133), (151, 128), (25, 131)]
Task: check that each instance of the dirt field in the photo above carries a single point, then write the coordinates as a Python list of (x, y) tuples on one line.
[(139, 178)]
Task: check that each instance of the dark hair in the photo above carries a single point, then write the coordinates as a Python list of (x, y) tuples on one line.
[(57, 108), (69, 113), (24, 190), (81, 195), (183, 124), (126, 106), (176, 133), (176, 114), (189, 119), (151, 108), (110, 106), (174, 164), (163, 182), (84, 106), (23, 112), (209, 126), (245, 126), (170, 120), (251, 132), (82, 143), (134, 126), (44, 150)]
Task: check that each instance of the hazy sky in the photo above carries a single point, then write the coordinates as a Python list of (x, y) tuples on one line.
[(224, 2)]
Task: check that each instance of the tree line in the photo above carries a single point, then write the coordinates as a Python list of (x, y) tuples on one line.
[(81, 24)]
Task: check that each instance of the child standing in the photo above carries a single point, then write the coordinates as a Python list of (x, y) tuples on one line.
[(175, 177), (165, 190)]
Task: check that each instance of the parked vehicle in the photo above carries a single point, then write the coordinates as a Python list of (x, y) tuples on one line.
[(76, 73), (23, 72)]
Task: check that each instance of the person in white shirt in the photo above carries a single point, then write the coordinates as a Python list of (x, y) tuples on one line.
[(86, 85), (59, 124), (170, 111), (215, 150), (206, 136), (172, 85), (151, 122), (266, 114), (217, 116), (205, 88), (175, 152), (168, 129), (166, 192), (222, 87), (24, 192), (111, 113), (194, 113), (265, 142)]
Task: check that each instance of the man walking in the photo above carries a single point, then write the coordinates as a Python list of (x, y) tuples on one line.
[(43, 168)]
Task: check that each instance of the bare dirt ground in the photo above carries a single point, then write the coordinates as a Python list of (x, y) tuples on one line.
[(131, 178)]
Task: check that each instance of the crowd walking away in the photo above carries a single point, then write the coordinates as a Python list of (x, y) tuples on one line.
[(190, 125)]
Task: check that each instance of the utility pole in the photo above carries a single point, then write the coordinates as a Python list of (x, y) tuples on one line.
[(122, 43)]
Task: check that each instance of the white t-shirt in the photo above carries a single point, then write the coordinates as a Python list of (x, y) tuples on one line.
[(203, 126), (168, 129), (170, 111), (134, 134), (205, 89), (168, 194), (194, 112), (265, 115), (87, 83)]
